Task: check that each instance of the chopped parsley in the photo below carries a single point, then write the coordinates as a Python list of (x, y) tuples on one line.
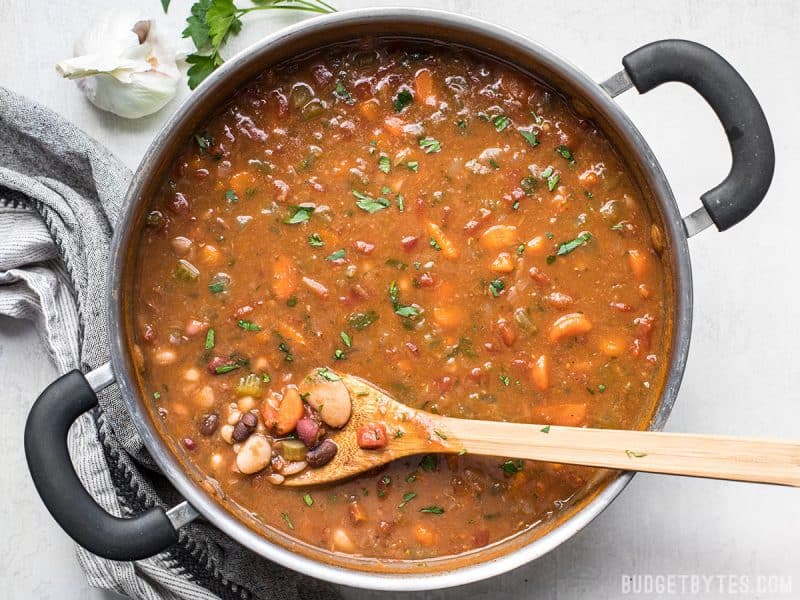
[(315, 241), (248, 325), (203, 140), (400, 203), (362, 320), (520, 249), (217, 287), (634, 454), (496, 287), (222, 369), (231, 195), (342, 93), (338, 255), (403, 99), (494, 164), (566, 154), (406, 311), (434, 244), (308, 500), (156, 395), (407, 497), (287, 520), (505, 380), (327, 374), (413, 165), (287, 352), (440, 434), (618, 226), (530, 137), (210, 339), (567, 247), (430, 145), (385, 164), (346, 339), (545, 429), (300, 214), (528, 184), (291, 302), (500, 122), (370, 204), (513, 466), (428, 463), (552, 178), (339, 354), (433, 510), (601, 388)]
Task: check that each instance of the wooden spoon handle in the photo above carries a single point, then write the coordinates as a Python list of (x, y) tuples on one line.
[(716, 457)]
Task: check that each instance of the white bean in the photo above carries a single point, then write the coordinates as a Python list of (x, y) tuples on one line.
[(330, 398), (342, 542), (294, 467), (165, 357), (254, 455), (226, 433), (205, 397)]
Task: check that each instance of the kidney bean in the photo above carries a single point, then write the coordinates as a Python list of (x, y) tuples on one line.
[(209, 424), (308, 432), (179, 204), (245, 426), (189, 443), (322, 454)]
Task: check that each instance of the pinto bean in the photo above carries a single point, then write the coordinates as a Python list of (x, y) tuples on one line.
[(322, 454)]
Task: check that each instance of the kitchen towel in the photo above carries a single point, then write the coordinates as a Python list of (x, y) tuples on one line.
[(60, 195)]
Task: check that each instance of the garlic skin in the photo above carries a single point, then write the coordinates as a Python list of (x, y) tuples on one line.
[(124, 64)]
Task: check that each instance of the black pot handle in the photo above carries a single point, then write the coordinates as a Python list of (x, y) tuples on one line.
[(736, 107), (55, 479)]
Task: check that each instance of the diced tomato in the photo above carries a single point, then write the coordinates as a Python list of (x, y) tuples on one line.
[(372, 436)]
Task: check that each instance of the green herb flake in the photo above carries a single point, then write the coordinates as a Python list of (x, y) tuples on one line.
[(513, 466), (428, 463), (404, 98), (434, 244), (433, 510), (411, 478), (231, 195), (635, 454), (407, 497), (315, 241), (287, 520), (398, 433), (362, 320), (545, 429), (339, 354), (222, 369), (266, 378), (567, 247), (520, 249), (405, 311), (156, 395), (327, 374), (385, 164), (494, 164), (308, 500), (618, 226), (346, 340), (505, 380), (341, 92), (217, 287), (530, 137), (247, 325), (300, 214), (496, 287), (412, 165), (430, 145), (500, 122), (566, 154), (291, 302), (601, 388), (370, 204), (338, 255), (440, 434), (209, 339)]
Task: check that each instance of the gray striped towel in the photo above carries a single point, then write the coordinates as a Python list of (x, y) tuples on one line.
[(60, 195)]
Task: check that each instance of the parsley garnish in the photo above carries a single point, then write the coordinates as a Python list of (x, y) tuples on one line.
[(567, 247), (434, 510), (634, 454), (505, 380), (346, 339), (308, 500), (216, 287), (428, 463), (156, 395), (413, 165), (315, 241), (403, 99), (338, 255), (565, 153), (341, 92), (434, 244), (406, 311), (362, 320), (248, 326), (287, 520), (231, 195), (339, 354), (407, 497), (513, 466), (552, 178), (300, 214), (530, 137), (500, 122), (327, 374), (212, 22), (210, 339), (370, 204), (385, 164), (430, 145), (496, 287)]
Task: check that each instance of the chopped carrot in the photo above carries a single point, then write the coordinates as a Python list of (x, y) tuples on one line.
[(570, 325), (291, 333), (568, 415), (269, 415), (448, 317), (423, 85), (424, 535), (370, 109), (449, 249), (537, 246), (613, 346), (210, 256), (290, 411), (504, 263), (540, 372), (499, 236), (394, 125), (639, 263), (242, 182), (284, 277)]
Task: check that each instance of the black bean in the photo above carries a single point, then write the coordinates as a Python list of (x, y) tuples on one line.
[(246, 425), (322, 454), (209, 424)]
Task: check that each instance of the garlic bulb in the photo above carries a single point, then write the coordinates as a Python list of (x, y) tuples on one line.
[(124, 65)]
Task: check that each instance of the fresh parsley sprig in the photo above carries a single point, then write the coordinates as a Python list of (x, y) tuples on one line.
[(212, 22)]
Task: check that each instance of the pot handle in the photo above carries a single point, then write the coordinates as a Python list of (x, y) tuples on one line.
[(86, 522), (737, 109)]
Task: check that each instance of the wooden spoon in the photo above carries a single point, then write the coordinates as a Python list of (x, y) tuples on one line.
[(413, 431)]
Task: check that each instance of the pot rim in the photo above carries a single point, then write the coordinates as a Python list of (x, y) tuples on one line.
[(225, 520)]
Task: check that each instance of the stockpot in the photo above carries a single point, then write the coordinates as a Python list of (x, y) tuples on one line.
[(155, 530)]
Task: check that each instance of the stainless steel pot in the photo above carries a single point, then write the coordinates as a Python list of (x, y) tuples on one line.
[(71, 395)]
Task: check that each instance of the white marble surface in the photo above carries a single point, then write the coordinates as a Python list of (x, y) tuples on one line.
[(742, 373)]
